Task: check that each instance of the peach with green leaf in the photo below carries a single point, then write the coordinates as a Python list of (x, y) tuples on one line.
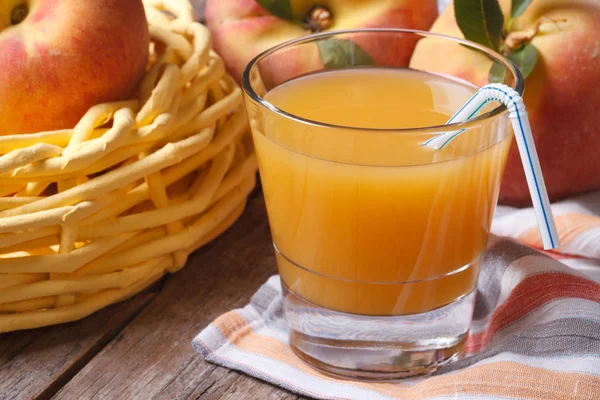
[(241, 29), (556, 45)]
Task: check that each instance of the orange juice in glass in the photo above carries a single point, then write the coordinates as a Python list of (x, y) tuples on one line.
[(378, 239)]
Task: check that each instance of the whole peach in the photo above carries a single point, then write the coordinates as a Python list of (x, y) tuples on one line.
[(561, 94), (60, 57), (241, 29)]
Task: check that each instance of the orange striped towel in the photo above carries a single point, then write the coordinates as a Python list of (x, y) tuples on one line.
[(535, 335)]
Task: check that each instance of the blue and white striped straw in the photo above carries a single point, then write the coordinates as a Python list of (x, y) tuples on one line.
[(533, 172)]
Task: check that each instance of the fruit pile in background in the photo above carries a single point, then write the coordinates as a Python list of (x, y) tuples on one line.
[(555, 43)]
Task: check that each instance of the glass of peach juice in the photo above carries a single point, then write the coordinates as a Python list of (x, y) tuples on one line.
[(378, 239)]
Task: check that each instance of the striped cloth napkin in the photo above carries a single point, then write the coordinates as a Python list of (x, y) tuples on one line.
[(535, 335)]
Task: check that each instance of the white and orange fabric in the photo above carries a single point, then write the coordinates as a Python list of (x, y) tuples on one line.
[(535, 335)]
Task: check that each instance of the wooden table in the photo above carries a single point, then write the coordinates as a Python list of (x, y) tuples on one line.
[(141, 348)]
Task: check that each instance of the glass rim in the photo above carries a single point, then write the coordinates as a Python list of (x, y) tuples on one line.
[(519, 85)]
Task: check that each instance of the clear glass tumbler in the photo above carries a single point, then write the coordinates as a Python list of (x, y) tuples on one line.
[(378, 248)]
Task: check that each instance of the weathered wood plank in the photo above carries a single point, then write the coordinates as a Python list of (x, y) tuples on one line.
[(246, 387), (153, 357), (219, 381), (37, 363)]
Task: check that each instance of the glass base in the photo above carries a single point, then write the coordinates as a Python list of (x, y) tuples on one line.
[(377, 348)]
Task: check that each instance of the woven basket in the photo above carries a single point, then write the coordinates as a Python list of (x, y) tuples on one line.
[(92, 215)]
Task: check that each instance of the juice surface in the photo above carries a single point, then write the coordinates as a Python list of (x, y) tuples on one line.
[(370, 222)]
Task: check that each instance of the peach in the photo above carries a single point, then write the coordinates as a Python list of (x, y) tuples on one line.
[(60, 57), (561, 93), (241, 29)]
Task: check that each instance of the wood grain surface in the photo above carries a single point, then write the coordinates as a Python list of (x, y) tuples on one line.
[(152, 357), (38, 362), (141, 349)]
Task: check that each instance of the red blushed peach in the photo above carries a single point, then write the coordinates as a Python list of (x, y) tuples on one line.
[(60, 57), (561, 94), (241, 29)]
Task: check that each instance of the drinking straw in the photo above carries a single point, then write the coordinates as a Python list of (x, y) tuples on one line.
[(531, 164)]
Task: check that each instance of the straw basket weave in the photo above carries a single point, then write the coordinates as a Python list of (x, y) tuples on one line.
[(92, 215)]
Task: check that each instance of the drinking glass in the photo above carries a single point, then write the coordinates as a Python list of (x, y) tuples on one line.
[(378, 252)]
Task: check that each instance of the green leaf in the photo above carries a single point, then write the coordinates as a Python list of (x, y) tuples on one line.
[(518, 7), (497, 73), (525, 59), (481, 21), (342, 53), (280, 8)]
